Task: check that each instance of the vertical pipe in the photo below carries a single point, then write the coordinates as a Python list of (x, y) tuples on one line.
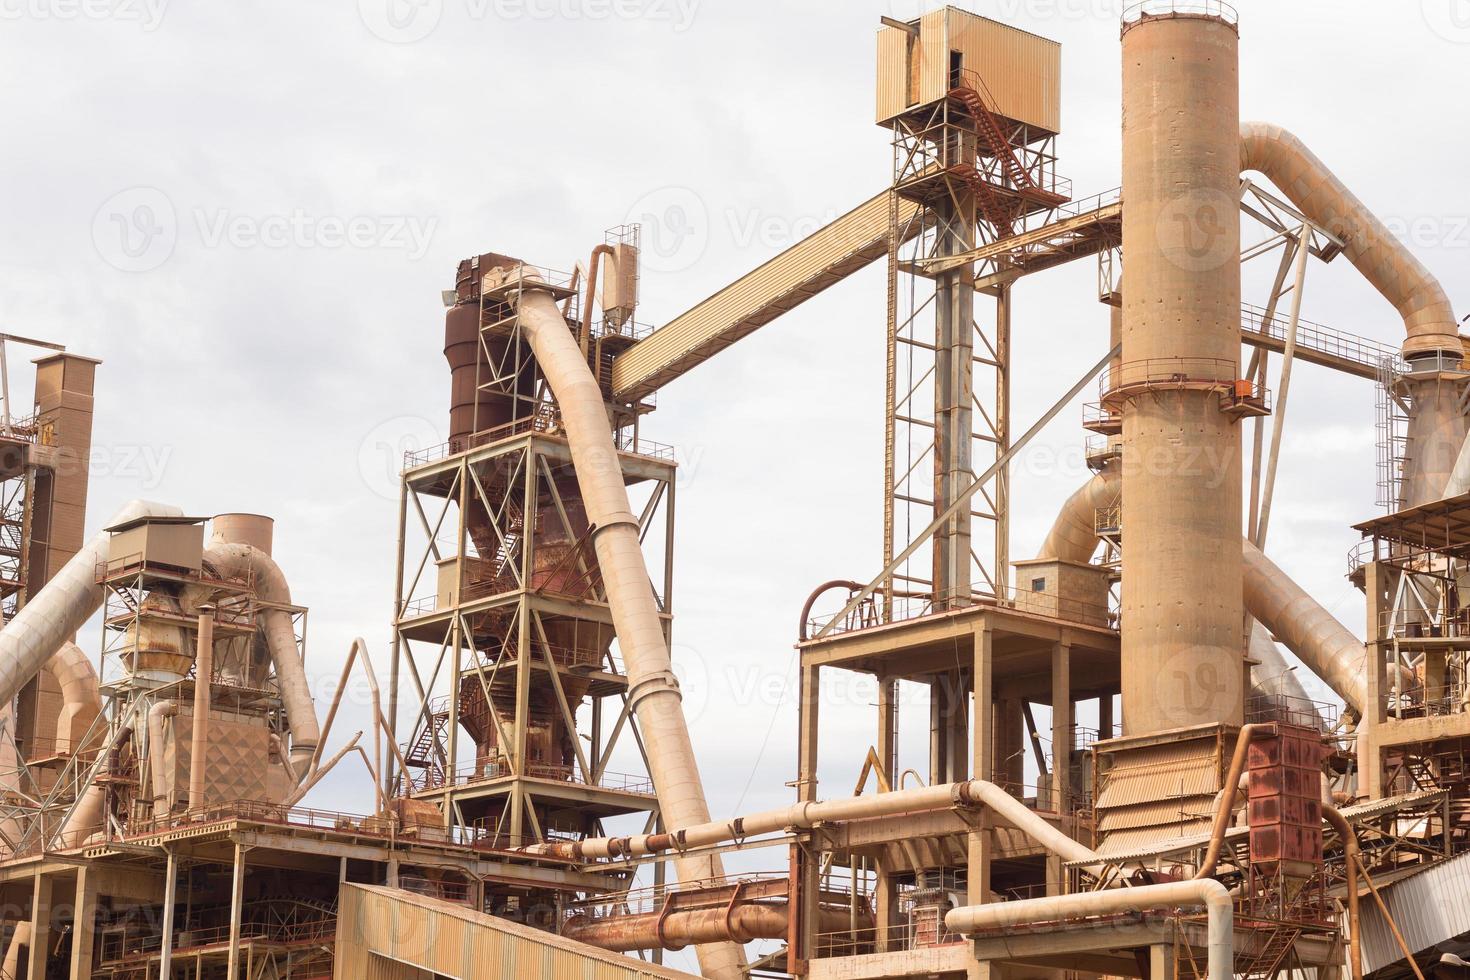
[(1002, 509), (166, 948), (954, 400), (1181, 596), (203, 699), (237, 901)]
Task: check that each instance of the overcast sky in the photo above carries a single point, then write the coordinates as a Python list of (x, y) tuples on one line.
[(248, 211)]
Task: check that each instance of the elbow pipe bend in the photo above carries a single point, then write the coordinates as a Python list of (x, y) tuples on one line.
[(1384, 261), (271, 586), (1206, 893)]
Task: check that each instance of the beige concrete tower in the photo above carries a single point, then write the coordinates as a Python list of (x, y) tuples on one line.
[(1181, 599)]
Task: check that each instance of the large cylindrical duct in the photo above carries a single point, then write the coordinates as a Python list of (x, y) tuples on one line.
[(1324, 645), (256, 530), (1307, 629), (61, 608), (653, 690), (1437, 420), (1368, 244), (1181, 594), (240, 561)]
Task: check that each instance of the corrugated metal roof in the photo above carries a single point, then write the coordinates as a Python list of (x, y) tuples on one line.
[(1390, 804), (1153, 847), (1429, 908)]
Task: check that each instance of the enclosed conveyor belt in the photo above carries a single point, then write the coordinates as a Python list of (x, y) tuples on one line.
[(796, 275)]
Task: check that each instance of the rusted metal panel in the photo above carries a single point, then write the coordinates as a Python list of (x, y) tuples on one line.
[(818, 261), (1284, 788)]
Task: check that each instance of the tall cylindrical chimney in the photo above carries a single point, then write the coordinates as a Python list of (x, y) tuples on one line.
[(1181, 598)]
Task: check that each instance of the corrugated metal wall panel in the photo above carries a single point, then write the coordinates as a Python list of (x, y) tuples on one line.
[(1429, 908), (932, 63), (1161, 772), (1021, 70), (893, 73)]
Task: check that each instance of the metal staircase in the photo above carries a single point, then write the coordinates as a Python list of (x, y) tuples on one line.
[(426, 751), (996, 143)]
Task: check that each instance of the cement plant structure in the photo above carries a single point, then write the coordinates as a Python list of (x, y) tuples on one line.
[(1216, 822)]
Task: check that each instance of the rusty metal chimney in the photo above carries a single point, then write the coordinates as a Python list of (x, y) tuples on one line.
[(1181, 598)]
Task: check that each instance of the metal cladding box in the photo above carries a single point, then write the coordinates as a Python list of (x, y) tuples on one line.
[(1284, 798), (918, 64), (172, 542)]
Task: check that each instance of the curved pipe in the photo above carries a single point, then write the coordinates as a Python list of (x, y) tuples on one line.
[(1225, 799), (1209, 893), (62, 607), (1307, 629), (81, 700), (1349, 837), (240, 560), (653, 690), (1272, 598), (1272, 676), (1073, 535), (851, 586), (675, 930), (585, 339), (159, 762), (1373, 250)]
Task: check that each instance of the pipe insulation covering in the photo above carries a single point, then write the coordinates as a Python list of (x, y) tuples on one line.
[(1373, 250), (60, 609), (270, 585), (653, 689), (1206, 892)]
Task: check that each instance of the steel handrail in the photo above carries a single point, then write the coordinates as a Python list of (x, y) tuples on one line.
[(1166, 8)]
